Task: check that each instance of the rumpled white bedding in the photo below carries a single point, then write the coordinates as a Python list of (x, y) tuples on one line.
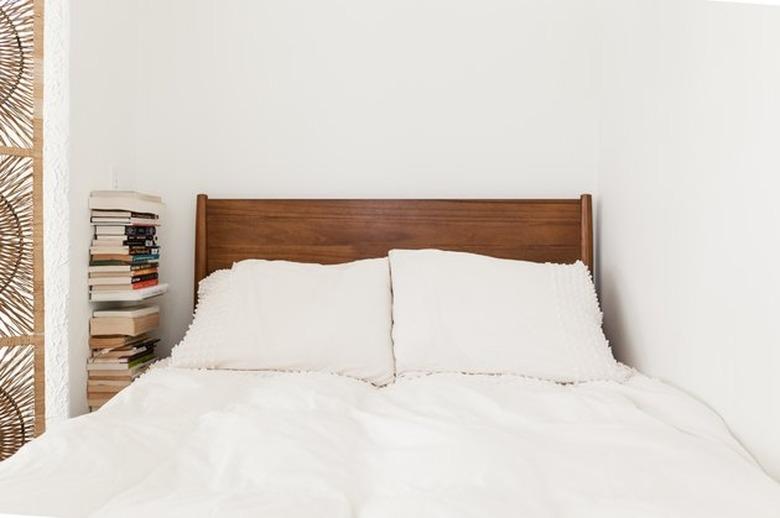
[(184, 443)]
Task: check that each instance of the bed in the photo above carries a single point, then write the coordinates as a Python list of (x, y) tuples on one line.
[(223, 442)]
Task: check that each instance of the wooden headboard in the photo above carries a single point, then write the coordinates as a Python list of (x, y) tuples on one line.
[(336, 231)]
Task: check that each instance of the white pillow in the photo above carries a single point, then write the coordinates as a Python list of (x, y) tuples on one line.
[(279, 315), (460, 312)]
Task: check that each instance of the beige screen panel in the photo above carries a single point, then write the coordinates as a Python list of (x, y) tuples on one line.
[(16, 246), (17, 73), (17, 397), (21, 253)]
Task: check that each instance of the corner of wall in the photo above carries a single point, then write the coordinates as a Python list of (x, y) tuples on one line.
[(56, 207)]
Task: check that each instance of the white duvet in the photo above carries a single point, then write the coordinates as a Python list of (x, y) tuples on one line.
[(182, 443)]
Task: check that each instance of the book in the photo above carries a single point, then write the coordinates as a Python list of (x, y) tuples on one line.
[(116, 383), (124, 287), (105, 344), (114, 262), (127, 361), (121, 280), (122, 352), (125, 351), (130, 201), (134, 222), (113, 363), (126, 312), (128, 368), (106, 259), (125, 230), (123, 274), (96, 259), (128, 295), (114, 341), (96, 390), (108, 240), (106, 375), (104, 213), (102, 217), (130, 326), (115, 238), (107, 386), (124, 250), (95, 401), (120, 267)]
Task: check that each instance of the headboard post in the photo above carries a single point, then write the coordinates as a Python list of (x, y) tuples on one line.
[(201, 248), (586, 228)]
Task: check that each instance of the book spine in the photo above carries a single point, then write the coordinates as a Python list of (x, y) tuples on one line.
[(145, 257), (125, 242), (145, 284), (143, 278), (144, 250), (131, 230), (119, 259), (140, 231), (138, 361)]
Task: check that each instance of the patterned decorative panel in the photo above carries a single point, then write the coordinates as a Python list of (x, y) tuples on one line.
[(21, 250), (17, 73), (16, 251), (17, 397)]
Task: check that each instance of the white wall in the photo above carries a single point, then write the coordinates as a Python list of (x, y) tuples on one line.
[(102, 137), (356, 98), (690, 174), (56, 185)]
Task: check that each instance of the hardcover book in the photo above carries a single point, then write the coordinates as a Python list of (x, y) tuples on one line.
[(126, 274), (124, 287), (128, 295), (125, 230), (114, 341), (99, 259), (124, 325), (133, 312), (121, 280)]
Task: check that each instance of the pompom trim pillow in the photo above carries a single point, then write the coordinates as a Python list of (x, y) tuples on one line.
[(461, 312), (285, 316)]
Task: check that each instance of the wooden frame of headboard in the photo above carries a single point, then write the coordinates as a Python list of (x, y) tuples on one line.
[(335, 231)]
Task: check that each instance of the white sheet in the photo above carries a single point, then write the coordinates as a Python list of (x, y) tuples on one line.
[(195, 443)]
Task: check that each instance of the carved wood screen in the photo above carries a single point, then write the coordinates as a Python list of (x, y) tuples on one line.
[(21, 236)]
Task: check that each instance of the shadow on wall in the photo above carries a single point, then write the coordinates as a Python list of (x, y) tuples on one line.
[(614, 318), (609, 297)]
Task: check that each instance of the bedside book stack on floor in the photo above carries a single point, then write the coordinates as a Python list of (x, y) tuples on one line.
[(123, 268), (122, 349)]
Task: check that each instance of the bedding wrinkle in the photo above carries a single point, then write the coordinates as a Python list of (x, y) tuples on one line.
[(188, 443)]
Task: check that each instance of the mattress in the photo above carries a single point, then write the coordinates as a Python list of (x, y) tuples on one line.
[(188, 443)]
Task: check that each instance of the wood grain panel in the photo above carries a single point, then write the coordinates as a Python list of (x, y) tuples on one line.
[(336, 231)]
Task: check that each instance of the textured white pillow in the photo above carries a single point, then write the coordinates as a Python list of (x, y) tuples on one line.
[(279, 315), (459, 312)]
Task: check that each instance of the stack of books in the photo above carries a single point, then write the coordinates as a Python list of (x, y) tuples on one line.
[(125, 252), (123, 268), (122, 348)]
